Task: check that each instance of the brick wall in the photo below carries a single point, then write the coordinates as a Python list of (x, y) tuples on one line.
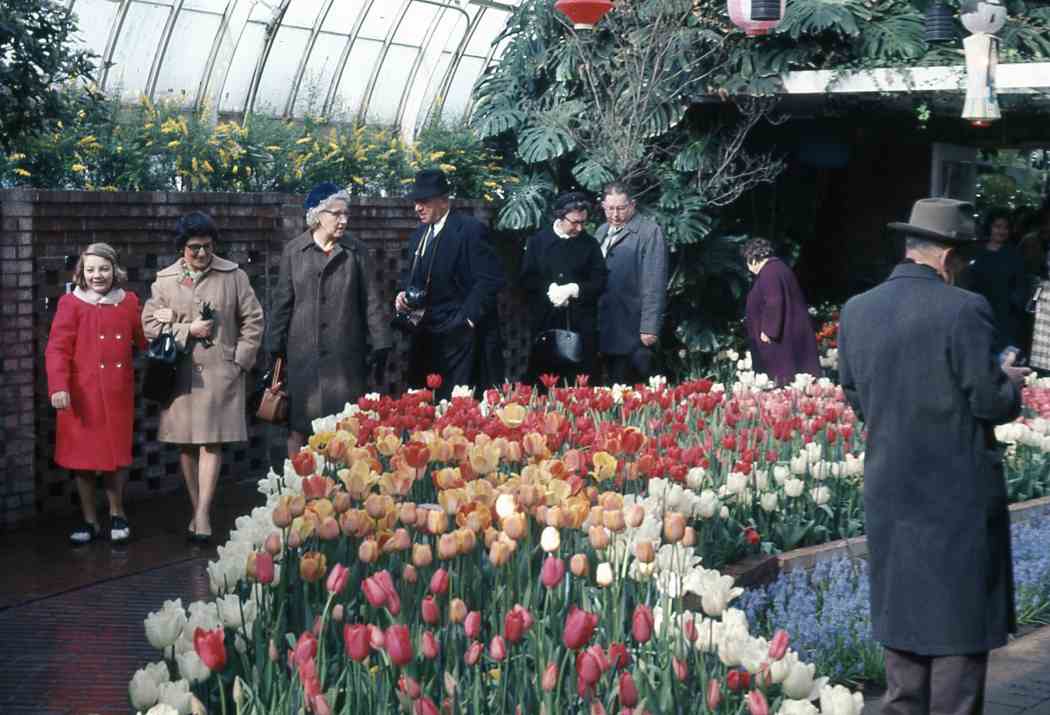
[(41, 234)]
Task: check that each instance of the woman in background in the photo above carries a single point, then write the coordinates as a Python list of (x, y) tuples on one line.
[(997, 272), (208, 304)]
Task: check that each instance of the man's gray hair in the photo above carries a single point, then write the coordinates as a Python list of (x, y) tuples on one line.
[(618, 188), (921, 243), (313, 216)]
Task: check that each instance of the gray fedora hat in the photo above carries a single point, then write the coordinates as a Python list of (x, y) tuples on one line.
[(941, 220)]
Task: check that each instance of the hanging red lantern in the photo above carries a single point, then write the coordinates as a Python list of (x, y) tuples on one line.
[(742, 14), (584, 14)]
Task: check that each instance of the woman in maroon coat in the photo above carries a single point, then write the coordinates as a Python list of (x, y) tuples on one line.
[(91, 382), (783, 342)]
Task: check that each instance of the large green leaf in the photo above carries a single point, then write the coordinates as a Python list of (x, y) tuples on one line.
[(814, 17), (525, 206), (592, 175), (495, 121), (542, 143)]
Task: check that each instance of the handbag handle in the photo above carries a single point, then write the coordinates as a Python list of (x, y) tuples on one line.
[(275, 381)]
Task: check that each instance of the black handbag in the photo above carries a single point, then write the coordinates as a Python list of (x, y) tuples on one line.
[(557, 348), (162, 362)]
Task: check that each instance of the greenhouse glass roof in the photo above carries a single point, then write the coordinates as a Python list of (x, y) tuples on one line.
[(384, 61)]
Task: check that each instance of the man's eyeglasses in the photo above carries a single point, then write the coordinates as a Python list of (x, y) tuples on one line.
[(196, 248), (616, 209)]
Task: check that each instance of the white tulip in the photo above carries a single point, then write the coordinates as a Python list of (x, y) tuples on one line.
[(162, 709), (779, 669), (177, 695), (797, 707), (709, 633), (604, 574), (550, 539), (799, 465), (838, 700), (793, 487), (821, 495), (143, 690), (760, 478), (780, 473), (736, 482), (723, 513), (462, 391), (191, 667), (708, 504), (158, 671), (506, 505), (163, 627), (717, 592), (800, 683), (695, 477), (820, 470), (768, 501), (754, 654), (814, 450)]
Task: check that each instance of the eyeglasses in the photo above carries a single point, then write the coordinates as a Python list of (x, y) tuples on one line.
[(345, 215), (616, 209), (196, 248), (574, 223)]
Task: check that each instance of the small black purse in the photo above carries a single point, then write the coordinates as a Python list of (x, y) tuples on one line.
[(559, 348), (162, 362)]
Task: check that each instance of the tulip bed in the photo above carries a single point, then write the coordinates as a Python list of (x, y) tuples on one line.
[(528, 553)]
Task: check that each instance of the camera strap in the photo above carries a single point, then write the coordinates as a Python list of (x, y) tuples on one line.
[(424, 246)]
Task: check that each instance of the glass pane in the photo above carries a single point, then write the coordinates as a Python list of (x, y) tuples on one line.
[(459, 92), (489, 28), (279, 73), (139, 39), (303, 13), (320, 69), (381, 18), (239, 79), (218, 6), (354, 82), (414, 26), (450, 33), (187, 55), (264, 11), (95, 18), (430, 79), (390, 84), (342, 16)]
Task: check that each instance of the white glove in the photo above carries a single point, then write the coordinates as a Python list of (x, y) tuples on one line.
[(559, 295), (572, 290)]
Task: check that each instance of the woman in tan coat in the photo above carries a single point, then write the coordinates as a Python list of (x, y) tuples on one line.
[(209, 305)]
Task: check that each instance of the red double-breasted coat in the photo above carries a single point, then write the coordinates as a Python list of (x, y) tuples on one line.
[(89, 355)]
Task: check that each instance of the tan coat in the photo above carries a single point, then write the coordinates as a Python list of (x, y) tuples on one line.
[(209, 390)]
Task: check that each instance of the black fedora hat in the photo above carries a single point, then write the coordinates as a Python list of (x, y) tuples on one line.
[(941, 220), (428, 184)]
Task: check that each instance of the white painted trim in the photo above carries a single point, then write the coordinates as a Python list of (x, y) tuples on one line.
[(1011, 78)]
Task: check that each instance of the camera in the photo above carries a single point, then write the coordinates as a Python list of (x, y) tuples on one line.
[(416, 299)]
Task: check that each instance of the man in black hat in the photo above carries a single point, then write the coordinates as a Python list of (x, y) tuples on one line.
[(449, 292), (916, 362)]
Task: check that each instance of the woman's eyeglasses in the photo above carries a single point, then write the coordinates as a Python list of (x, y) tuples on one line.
[(196, 248)]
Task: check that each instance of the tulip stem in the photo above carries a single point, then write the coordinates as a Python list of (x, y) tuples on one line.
[(222, 693)]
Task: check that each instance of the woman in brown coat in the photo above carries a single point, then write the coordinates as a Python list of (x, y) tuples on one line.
[(210, 307), (326, 312)]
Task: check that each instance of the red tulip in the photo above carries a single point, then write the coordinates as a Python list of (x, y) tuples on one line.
[(497, 648), (356, 639), (416, 454), (304, 463), (337, 578), (550, 677), (690, 630), (756, 703), (434, 381), (374, 592), (320, 705), (513, 626), (472, 625), (409, 686), (588, 668), (399, 644), (431, 647), (314, 487), (618, 655), (305, 649), (549, 380), (579, 627), (526, 618), (264, 571), (376, 639), (553, 571), (430, 611), (752, 536), (737, 680), (714, 694), (779, 645), (425, 706), (211, 648), (628, 690), (473, 653), (681, 669), (439, 582), (642, 623)]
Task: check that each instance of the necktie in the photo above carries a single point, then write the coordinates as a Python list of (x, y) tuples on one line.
[(425, 243), (608, 242)]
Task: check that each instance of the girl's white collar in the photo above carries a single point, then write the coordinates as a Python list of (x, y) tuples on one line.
[(114, 297)]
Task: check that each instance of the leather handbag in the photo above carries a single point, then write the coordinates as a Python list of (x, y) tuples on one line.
[(162, 363), (558, 348), (273, 407)]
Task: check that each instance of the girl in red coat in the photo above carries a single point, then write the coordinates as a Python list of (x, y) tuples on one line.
[(92, 384)]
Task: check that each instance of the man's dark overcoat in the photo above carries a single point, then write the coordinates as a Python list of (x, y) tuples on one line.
[(776, 307), (917, 364), (326, 313), (466, 277)]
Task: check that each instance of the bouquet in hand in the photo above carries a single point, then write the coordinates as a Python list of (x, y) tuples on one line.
[(207, 313)]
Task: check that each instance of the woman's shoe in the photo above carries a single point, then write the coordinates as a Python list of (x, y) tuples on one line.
[(84, 534), (119, 530)]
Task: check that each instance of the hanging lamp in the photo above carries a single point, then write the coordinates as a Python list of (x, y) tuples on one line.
[(940, 23), (753, 16), (584, 14), (983, 18)]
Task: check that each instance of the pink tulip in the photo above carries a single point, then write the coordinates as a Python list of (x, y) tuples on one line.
[(497, 648), (431, 647), (553, 571), (430, 611), (779, 645), (337, 578), (439, 582), (642, 623), (756, 703), (399, 644), (472, 625)]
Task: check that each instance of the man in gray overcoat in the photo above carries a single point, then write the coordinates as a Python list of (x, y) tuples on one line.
[(632, 308), (916, 362)]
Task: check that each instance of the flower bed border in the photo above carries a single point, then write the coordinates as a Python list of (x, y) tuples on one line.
[(763, 569)]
